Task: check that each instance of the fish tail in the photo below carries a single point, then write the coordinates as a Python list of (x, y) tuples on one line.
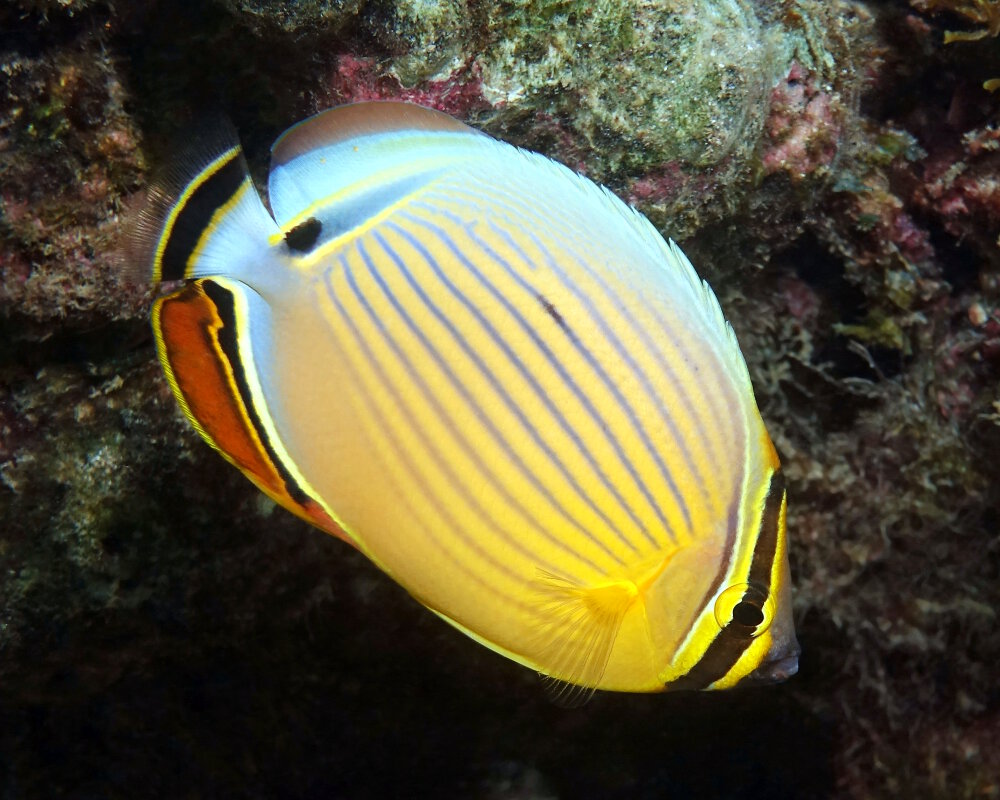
[(203, 218)]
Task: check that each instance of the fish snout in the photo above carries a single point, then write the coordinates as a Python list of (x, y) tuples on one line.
[(777, 669)]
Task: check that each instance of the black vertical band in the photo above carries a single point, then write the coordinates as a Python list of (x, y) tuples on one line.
[(228, 339), (209, 191), (733, 640)]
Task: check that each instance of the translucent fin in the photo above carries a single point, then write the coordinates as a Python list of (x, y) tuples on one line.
[(579, 630), (711, 306), (566, 695), (200, 217)]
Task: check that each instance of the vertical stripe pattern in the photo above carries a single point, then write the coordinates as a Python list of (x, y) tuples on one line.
[(536, 395), (502, 384)]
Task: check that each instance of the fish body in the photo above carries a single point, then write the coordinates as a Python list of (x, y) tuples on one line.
[(494, 379)]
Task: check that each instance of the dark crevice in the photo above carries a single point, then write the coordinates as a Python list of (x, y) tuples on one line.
[(960, 263), (826, 275), (24, 343), (842, 358)]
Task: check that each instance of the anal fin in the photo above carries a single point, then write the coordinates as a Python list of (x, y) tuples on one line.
[(196, 339)]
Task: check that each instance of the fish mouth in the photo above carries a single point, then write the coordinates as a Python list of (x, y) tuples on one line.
[(776, 670)]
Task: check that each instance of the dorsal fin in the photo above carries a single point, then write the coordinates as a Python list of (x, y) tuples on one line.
[(358, 119)]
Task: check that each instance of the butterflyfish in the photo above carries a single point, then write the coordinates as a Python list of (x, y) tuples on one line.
[(493, 378)]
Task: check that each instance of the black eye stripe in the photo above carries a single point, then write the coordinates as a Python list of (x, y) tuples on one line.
[(767, 541), (731, 642)]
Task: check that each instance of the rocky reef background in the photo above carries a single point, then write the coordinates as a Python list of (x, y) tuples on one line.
[(832, 167)]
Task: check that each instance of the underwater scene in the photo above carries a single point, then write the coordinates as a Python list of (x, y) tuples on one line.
[(615, 388)]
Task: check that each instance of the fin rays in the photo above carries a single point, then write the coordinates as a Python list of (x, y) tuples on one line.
[(201, 218), (578, 633)]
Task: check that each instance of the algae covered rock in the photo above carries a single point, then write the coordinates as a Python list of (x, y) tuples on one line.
[(69, 152), (426, 37), (644, 83), (303, 16)]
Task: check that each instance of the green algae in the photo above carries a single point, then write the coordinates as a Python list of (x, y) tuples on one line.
[(696, 76), (878, 330), (427, 37)]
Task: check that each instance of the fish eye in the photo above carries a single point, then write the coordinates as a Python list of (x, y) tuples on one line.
[(745, 608)]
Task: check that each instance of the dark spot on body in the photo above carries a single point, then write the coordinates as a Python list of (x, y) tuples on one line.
[(303, 237), (552, 312)]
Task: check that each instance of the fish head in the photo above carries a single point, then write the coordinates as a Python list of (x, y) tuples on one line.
[(781, 659), (745, 632), (774, 657)]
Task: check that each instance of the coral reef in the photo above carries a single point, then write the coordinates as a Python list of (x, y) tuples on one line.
[(47, 8), (426, 38), (705, 71), (68, 152), (299, 18), (978, 12), (832, 169)]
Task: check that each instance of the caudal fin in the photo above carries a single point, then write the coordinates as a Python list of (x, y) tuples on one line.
[(199, 218)]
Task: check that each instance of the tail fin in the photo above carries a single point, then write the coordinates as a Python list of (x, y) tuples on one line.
[(199, 218)]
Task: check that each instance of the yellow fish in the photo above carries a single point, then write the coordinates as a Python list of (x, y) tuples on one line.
[(494, 379)]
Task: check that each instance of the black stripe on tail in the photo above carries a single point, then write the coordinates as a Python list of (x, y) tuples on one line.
[(163, 228), (192, 215)]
